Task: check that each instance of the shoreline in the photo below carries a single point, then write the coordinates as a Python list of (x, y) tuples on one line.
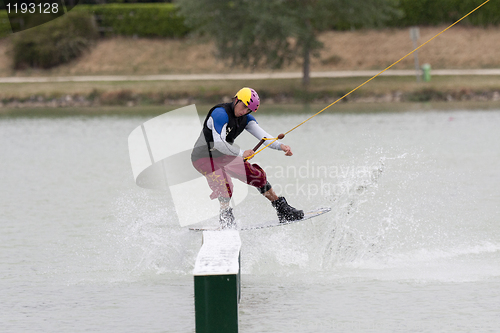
[(271, 109)]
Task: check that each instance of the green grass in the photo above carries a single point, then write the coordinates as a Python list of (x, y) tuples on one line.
[(328, 86)]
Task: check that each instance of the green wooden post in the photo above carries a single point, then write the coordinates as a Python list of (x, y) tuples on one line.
[(217, 282)]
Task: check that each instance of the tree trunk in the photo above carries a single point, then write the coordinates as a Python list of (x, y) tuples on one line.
[(306, 67)]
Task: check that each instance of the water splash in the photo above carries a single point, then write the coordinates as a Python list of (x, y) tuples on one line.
[(139, 238), (148, 233), (342, 241)]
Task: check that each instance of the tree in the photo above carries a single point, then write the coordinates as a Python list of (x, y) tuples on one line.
[(276, 32)]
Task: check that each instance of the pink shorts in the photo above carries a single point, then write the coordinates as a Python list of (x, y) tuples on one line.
[(219, 171)]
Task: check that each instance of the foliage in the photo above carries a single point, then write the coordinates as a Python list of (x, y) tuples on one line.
[(55, 42), (431, 12), (275, 32), (159, 19), (142, 20), (4, 24), (93, 2)]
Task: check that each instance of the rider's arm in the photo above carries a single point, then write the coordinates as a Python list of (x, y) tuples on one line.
[(257, 131)]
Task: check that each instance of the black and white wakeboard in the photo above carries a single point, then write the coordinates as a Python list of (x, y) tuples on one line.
[(273, 223)]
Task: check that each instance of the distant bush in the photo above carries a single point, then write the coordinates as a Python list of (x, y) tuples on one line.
[(159, 19), (142, 20), (55, 42), (432, 12), (95, 2), (4, 24)]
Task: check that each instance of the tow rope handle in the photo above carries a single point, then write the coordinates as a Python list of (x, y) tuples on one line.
[(261, 142)]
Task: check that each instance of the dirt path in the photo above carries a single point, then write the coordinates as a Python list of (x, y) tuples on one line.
[(244, 76)]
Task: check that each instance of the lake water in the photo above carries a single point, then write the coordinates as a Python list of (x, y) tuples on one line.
[(412, 243)]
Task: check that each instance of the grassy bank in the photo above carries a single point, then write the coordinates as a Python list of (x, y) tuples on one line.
[(279, 91), (460, 47)]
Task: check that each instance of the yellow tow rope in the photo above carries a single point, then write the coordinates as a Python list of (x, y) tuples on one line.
[(350, 92)]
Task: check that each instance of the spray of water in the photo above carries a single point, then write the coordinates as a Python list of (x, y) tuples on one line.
[(378, 223)]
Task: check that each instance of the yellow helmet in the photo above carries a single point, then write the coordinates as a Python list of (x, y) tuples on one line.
[(249, 97)]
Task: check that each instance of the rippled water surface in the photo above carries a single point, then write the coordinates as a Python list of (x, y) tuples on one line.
[(412, 243)]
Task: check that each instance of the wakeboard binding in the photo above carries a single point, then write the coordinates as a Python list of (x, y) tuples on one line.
[(286, 213)]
